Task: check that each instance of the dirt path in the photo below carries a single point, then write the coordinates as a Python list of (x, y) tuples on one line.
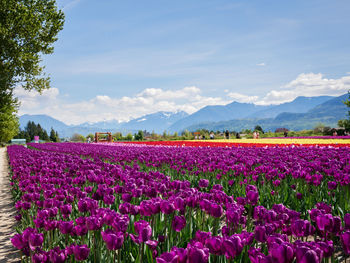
[(7, 212)]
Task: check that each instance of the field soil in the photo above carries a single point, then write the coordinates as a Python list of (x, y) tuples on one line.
[(7, 212)]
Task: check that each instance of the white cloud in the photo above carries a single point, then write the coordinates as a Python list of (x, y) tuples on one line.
[(169, 94), (262, 64), (33, 99), (308, 85), (242, 98), (189, 99), (103, 107)]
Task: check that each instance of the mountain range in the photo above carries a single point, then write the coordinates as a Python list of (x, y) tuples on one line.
[(236, 110), (328, 113), (301, 113), (157, 122)]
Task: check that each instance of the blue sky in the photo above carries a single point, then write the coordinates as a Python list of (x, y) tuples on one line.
[(123, 59)]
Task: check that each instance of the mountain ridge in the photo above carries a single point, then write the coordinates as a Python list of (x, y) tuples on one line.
[(328, 111)]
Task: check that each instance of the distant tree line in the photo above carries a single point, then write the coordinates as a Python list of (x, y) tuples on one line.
[(33, 129)]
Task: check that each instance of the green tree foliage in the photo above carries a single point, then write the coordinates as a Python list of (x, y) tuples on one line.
[(77, 138), (57, 137), (128, 137), (118, 136), (53, 135), (258, 128), (33, 129), (28, 29), (346, 123), (8, 119), (139, 136)]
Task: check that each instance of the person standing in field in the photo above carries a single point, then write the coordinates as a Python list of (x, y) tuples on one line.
[(211, 136), (254, 135)]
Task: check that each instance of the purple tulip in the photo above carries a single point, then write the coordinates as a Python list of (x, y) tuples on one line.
[(327, 209), (260, 234), (241, 200), (113, 240), (80, 230), (166, 207), (18, 217), (256, 256), (93, 223), (39, 257), (252, 197), (168, 257), (126, 198), (202, 236), (332, 185), (345, 240), (81, 252), (57, 256), (36, 240), (314, 213), (82, 205), (327, 248), (215, 245), (282, 253), (347, 221), (180, 204), (179, 222), (124, 208), (215, 210), (109, 199), (66, 210), (65, 227), (144, 231), (233, 246), (302, 228), (18, 242), (203, 183), (134, 209), (196, 253), (307, 255)]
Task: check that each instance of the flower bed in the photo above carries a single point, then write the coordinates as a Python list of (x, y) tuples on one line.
[(267, 142), (313, 137), (140, 203)]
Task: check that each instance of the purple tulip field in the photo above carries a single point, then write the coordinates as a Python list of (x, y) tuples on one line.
[(136, 203)]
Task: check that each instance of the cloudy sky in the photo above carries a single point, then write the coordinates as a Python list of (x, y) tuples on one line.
[(123, 59)]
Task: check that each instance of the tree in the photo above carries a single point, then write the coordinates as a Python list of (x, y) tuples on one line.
[(346, 123), (57, 137), (8, 119), (28, 28), (258, 128), (76, 137), (53, 135), (33, 129), (118, 136), (128, 137), (139, 136)]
